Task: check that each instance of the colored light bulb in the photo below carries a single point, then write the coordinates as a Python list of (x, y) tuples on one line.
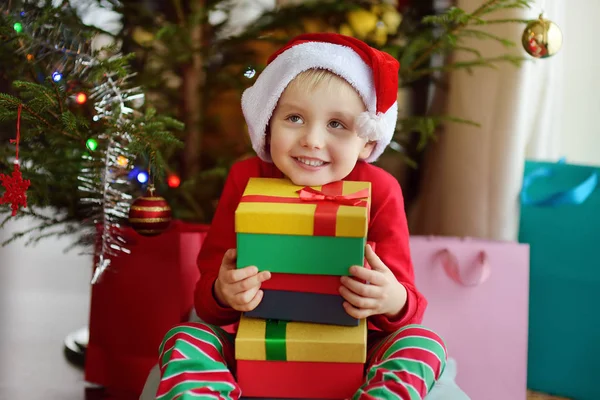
[(122, 161), (56, 76), (81, 98), (142, 177), (91, 144), (173, 181), (18, 27)]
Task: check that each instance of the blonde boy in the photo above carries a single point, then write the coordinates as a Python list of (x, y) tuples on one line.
[(323, 109)]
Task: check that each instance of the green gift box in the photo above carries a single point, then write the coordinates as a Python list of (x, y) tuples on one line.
[(284, 228)]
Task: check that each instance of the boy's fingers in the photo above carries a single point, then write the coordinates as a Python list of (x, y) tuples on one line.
[(255, 301), (240, 274), (243, 298), (374, 260), (230, 256), (356, 312), (356, 300), (264, 276), (251, 282), (360, 288)]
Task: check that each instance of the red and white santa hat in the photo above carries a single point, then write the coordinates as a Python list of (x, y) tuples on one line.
[(373, 73)]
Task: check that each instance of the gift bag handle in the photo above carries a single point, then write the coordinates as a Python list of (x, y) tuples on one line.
[(451, 267), (574, 196)]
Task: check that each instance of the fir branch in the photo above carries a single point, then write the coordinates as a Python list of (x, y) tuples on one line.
[(9, 100), (477, 53), (46, 223), (15, 102), (35, 239), (449, 118), (454, 21), (426, 126), (501, 21), (486, 35), (58, 96), (489, 62), (502, 5), (450, 18), (68, 120)]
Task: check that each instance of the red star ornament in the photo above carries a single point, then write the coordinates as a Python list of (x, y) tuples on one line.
[(16, 189)]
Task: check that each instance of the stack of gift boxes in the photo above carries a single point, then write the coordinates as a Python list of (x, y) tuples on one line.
[(300, 342)]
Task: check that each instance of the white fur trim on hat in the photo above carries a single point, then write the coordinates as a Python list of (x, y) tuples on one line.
[(259, 101)]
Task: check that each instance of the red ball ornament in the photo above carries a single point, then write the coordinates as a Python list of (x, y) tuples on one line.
[(150, 215)]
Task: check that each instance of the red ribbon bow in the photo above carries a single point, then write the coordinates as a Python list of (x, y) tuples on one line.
[(309, 194)]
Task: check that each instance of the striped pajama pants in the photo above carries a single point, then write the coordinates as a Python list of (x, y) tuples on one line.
[(197, 360)]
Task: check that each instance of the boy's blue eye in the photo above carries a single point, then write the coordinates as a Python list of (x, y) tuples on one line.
[(294, 118), (336, 124)]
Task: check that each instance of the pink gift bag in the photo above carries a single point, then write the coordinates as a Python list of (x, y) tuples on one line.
[(478, 303)]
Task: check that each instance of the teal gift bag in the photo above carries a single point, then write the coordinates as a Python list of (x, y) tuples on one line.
[(560, 220)]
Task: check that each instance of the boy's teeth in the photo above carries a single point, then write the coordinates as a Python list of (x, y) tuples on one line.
[(312, 163)]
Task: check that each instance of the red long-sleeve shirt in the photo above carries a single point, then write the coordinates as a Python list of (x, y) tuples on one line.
[(387, 229)]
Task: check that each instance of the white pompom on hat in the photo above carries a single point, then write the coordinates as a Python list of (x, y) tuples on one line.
[(371, 72)]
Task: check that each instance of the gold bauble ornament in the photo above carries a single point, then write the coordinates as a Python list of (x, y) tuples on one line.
[(542, 38)]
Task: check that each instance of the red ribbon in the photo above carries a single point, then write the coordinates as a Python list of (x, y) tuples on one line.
[(328, 202), (18, 133), (309, 194)]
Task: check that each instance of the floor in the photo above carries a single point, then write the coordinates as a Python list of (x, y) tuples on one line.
[(44, 295)]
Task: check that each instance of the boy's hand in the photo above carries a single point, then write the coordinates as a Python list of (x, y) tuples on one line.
[(239, 288), (383, 295)]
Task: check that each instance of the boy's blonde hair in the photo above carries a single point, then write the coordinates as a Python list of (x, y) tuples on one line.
[(308, 80)]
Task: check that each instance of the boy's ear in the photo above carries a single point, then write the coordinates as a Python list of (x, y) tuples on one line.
[(366, 151)]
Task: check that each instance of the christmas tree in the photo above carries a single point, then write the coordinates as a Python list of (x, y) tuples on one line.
[(97, 126)]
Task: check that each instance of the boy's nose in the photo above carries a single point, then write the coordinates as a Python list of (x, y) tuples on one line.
[(313, 138)]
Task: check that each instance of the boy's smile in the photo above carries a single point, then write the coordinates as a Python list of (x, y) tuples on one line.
[(312, 132), (312, 164)]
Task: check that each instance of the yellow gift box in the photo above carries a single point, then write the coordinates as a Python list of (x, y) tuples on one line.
[(275, 206), (259, 339)]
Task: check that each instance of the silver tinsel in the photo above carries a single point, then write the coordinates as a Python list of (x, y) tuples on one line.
[(112, 99), (104, 182)]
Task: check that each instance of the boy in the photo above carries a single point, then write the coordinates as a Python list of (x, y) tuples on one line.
[(321, 111)]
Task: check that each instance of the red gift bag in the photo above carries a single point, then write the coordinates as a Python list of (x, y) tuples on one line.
[(136, 301), (478, 294)]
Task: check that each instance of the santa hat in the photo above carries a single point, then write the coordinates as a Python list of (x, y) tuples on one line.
[(371, 72)]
